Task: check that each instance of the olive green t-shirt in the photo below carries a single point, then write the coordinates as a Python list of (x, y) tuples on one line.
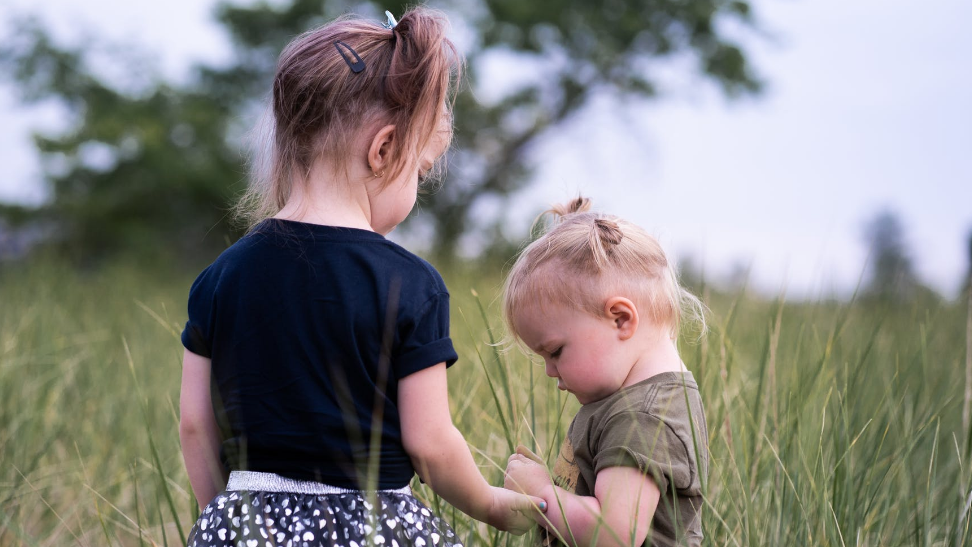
[(657, 426)]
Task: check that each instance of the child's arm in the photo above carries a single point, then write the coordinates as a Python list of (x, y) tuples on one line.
[(443, 460), (619, 513), (198, 430)]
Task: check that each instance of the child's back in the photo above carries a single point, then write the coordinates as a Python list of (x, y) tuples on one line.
[(294, 318)]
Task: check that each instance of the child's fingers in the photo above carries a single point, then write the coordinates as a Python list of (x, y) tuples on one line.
[(516, 460), (509, 482), (524, 451), (525, 504)]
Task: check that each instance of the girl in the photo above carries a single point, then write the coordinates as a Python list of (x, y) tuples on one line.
[(597, 299), (321, 346)]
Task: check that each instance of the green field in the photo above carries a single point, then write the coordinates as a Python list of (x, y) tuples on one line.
[(831, 423)]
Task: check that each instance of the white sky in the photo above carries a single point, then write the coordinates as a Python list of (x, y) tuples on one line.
[(869, 106)]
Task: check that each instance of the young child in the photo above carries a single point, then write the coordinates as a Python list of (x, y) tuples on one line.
[(316, 350), (597, 299)]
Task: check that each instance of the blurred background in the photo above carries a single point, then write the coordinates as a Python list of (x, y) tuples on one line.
[(806, 162), (789, 144)]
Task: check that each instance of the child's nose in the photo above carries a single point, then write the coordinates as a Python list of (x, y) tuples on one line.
[(550, 370)]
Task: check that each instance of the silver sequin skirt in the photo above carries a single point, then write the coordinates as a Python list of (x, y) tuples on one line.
[(267, 510)]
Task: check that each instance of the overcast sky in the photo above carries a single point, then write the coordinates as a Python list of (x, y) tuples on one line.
[(868, 107)]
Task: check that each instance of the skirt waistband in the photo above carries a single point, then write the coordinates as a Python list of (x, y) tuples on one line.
[(258, 481)]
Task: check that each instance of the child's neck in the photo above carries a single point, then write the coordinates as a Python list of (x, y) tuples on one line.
[(657, 354), (330, 197)]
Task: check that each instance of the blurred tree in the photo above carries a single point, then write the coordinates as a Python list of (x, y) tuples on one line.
[(891, 272), (147, 168), (691, 273), (132, 171)]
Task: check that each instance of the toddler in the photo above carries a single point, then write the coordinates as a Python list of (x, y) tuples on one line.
[(597, 299)]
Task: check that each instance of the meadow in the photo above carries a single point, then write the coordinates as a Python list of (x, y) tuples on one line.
[(830, 423)]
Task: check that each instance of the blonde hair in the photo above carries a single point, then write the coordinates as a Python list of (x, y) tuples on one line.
[(319, 104), (588, 257)]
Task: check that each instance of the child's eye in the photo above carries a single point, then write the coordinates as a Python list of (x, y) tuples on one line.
[(556, 353)]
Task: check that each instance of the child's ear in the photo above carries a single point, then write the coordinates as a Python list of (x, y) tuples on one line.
[(380, 150), (624, 314)]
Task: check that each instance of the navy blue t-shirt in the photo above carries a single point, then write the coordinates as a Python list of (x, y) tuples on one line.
[(310, 328)]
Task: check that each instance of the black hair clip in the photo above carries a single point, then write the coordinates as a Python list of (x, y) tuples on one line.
[(358, 65)]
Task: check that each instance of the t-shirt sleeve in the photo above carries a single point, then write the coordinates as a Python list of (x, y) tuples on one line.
[(644, 441), (197, 336), (424, 337)]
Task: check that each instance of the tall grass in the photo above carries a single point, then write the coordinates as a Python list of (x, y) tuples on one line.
[(830, 423)]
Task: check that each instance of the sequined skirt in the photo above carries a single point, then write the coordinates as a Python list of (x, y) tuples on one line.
[(267, 510)]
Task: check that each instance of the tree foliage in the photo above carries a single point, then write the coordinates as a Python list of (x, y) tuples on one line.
[(132, 171), (891, 270), (161, 165)]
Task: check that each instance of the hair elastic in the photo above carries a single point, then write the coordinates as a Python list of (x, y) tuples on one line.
[(391, 22), (358, 65)]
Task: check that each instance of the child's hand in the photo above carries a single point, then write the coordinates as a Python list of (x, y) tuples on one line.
[(511, 511), (526, 473)]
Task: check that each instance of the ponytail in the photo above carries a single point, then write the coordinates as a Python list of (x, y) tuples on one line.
[(321, 100)]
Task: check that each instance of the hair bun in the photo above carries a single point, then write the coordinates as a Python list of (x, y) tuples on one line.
[(579, 204), (609, 231)]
